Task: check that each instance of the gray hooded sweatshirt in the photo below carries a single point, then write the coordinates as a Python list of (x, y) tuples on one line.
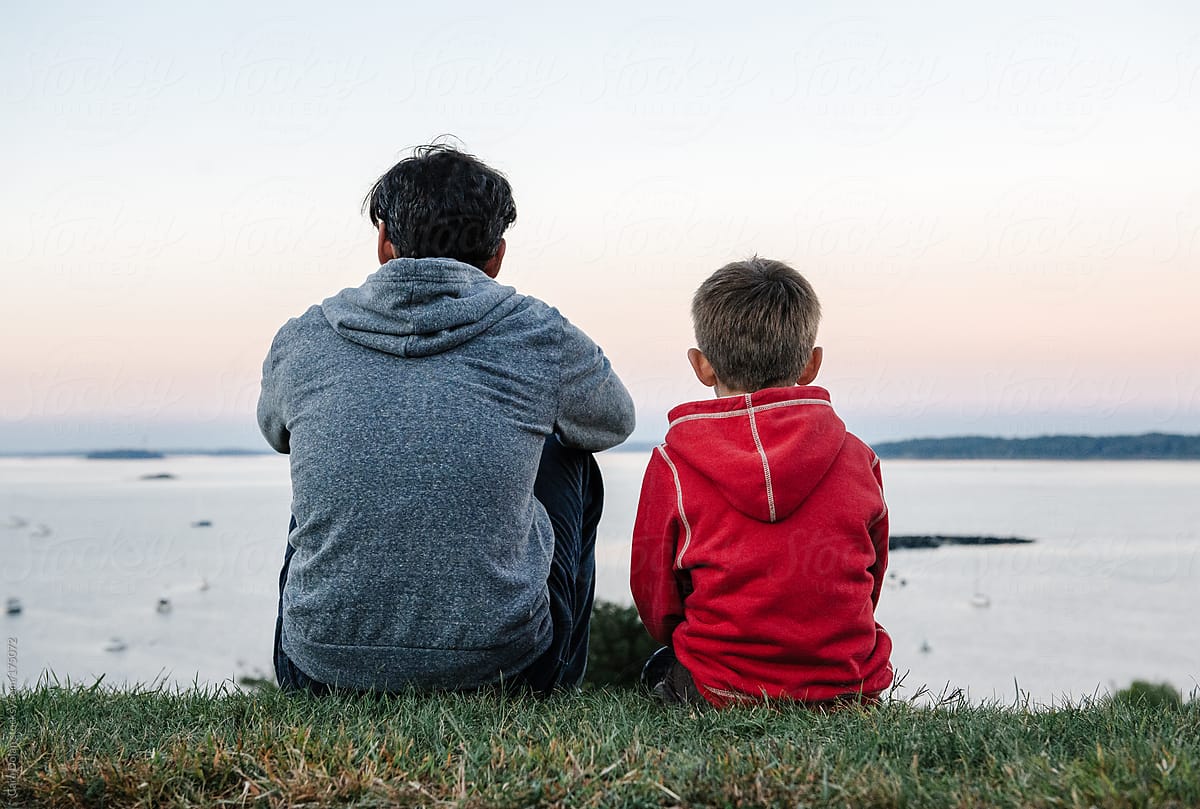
[(414, 408)]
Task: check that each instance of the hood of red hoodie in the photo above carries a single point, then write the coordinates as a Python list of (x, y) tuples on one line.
[(765, 452)]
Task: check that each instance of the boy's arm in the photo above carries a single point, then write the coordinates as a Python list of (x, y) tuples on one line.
[(271, 420), (652, 564), (879, 538), (595, 412)]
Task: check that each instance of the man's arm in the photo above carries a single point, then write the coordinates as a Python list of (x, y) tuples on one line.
[(271, 419), (879, 538), (652, 564), (595, 411)]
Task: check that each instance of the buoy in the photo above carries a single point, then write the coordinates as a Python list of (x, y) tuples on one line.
[(164, 605), (925, 647)]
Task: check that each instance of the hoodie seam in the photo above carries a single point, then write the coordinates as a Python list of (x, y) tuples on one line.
[(741, 411), (762, 453), (687, 528), (882, 497)]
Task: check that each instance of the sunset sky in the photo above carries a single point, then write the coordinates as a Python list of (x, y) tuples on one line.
[(999, 209)]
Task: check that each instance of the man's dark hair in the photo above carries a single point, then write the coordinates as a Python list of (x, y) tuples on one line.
[(442, 203), (756, 321)]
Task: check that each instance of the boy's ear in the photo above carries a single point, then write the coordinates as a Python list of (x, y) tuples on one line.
[(702, 367), (814, 366)]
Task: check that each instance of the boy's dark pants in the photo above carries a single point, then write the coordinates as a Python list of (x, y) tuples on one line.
[(569, 486)]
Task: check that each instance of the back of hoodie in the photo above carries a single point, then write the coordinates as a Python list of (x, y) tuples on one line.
[(760, 548), (414, 409)]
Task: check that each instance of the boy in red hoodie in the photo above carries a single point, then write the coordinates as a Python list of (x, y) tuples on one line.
[(761, 538)]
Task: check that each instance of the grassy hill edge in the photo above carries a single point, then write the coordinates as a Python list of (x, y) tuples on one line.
[(78, 746)]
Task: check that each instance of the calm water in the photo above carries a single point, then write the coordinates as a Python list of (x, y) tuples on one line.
[(1107, 594)]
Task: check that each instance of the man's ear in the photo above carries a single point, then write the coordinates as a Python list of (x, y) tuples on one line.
[(814, 366), (492, 268), (702, 367), (384, 248)]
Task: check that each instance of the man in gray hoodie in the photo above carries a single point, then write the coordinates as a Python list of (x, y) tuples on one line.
[(440, 429)]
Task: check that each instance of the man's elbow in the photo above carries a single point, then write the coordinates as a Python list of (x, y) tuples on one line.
[(280, 442), (277, 436), (625, 421), (599, 434)]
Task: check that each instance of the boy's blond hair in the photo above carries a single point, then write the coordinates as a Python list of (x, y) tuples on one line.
[(756, 322)]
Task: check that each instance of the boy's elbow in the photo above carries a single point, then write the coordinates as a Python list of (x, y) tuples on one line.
[(662, 631)]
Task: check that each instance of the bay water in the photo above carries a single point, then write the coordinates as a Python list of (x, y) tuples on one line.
[(166, 571)]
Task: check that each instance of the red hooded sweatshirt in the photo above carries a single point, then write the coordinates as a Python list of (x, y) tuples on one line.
[(760, 548)]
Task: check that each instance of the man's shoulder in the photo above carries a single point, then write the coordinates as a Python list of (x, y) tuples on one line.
[(310, 317), (309, 322), (537, 308), (532, 322)]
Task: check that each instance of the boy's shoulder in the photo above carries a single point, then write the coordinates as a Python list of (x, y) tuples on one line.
[(860, 449)]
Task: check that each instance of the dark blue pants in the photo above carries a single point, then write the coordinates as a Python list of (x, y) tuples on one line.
[(568, 485)]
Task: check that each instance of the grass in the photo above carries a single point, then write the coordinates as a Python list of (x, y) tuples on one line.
[(77, 746)]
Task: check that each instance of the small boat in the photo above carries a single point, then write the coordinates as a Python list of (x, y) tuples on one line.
[(115, 645), (980, 600), (12, 606), (164, 605), (203, 585), (42, 530), (202, 524), (16, 522), (925, 647)]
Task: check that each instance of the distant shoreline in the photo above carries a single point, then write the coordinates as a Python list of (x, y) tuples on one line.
[(1143, 447)]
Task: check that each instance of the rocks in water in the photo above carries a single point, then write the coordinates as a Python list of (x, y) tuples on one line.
[(13, 606), (911, 542)]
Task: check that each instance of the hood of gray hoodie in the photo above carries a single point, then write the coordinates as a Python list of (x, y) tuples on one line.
[(416, 307)]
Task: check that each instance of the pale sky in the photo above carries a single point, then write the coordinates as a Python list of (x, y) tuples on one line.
[(1000, 209)]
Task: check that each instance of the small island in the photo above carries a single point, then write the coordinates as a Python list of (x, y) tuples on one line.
[(914, 542), (124, 455)]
